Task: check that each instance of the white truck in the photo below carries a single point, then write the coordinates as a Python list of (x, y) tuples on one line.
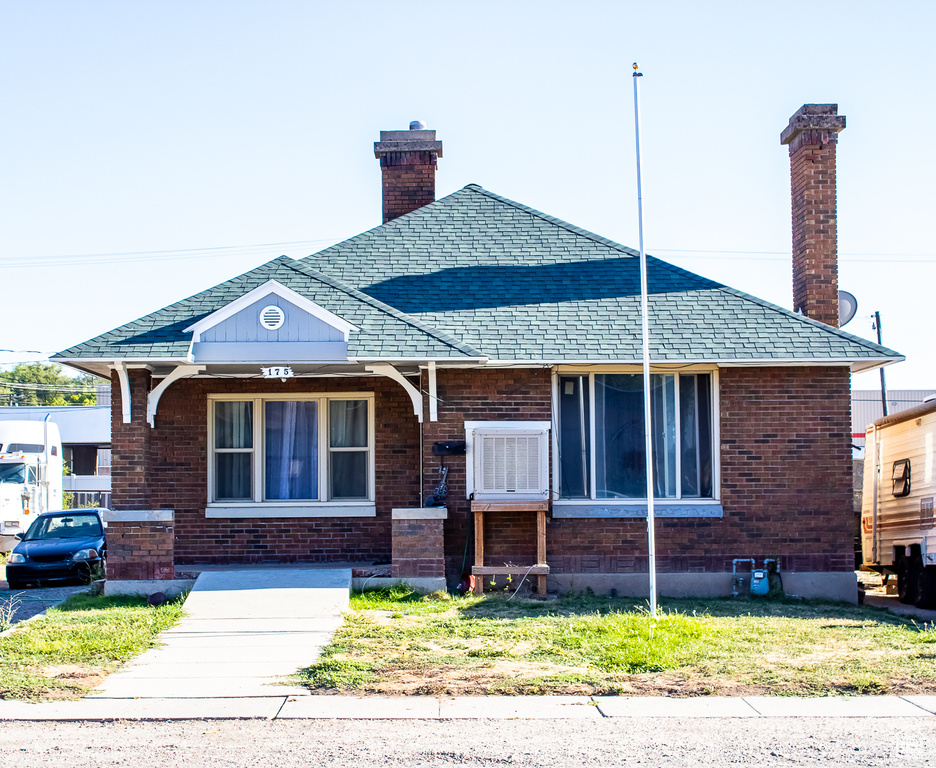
[(30, 475), (898, 530)]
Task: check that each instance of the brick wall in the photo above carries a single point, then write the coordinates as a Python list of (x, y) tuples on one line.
[(786, 487), (408, 182), (482, 395), (785, 468), (177, 455), (131, 445), (140, 550), (417, 548)]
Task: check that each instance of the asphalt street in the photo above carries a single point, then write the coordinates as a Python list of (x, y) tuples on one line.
[(663, 742)]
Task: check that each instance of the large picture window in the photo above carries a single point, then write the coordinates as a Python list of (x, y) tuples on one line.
[(291, 449), (601, 443)]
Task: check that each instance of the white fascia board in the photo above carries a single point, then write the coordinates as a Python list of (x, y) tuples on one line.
[(451, 361), (866, 363), (131, 362), (268, 288)]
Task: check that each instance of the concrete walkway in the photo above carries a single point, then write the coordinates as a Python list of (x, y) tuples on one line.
[(242, 632)]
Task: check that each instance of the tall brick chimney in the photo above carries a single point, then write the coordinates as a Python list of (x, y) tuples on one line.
[(408, 163), (811, 136)]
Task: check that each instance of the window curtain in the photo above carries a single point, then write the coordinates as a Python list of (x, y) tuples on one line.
[(291, 429), (348, 430), (233, 425), (619, 436), (574, 438), (620, 445), (233, 436)]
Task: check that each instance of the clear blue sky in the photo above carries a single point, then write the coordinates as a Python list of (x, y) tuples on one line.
[(135, 135)]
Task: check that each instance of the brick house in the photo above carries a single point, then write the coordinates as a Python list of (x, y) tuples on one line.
[(303, 412)]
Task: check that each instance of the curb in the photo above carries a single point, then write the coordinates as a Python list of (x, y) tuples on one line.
[(99, 709)]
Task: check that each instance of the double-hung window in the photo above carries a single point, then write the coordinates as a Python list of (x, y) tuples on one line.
[(291, 450), (601, 443)]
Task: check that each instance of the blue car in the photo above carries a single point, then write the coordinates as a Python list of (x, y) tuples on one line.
[(64, 544)]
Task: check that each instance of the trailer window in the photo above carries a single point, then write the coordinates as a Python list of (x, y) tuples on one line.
[(901, 478)]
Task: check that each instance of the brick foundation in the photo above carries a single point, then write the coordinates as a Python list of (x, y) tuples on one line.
[(418, 543), (140, 545)]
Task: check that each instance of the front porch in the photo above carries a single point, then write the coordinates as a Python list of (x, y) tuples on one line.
[(141, 555)]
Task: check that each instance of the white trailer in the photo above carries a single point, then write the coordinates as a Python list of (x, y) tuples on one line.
[(30, 475), (898, 530)]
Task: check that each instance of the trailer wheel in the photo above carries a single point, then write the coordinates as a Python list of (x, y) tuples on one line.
[(906, 586), (925, 583)]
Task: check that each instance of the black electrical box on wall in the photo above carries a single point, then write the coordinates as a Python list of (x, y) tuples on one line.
[(450, 448)]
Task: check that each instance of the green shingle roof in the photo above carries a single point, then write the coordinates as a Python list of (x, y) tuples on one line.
[(521, 285), (477, 275), (384, 331)]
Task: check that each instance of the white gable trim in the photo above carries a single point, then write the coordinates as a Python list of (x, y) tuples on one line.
[(268, 288)]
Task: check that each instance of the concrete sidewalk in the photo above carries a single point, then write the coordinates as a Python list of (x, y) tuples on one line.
[(305, 707), (243, 631)]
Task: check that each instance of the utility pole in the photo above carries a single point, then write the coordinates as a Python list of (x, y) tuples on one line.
[(877, 325)]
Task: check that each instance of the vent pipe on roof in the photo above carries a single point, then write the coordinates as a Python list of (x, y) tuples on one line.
[(408, 164)]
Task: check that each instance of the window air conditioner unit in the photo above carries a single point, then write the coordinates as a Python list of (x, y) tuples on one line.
[(509, 461)]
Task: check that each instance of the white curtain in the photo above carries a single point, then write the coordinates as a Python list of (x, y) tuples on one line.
[(347, 432), (291, 429)]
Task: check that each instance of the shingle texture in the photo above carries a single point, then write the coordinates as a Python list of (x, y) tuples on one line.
[(384, 331), (475, 274), (521, 285)]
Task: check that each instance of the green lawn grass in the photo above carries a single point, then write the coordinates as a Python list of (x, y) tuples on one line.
[(396, 642), (70, 648)]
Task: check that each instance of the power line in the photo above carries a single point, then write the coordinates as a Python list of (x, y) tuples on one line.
[(47, 387), (852, 258), (167, 255)]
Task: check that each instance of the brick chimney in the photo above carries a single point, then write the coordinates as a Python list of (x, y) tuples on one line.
[(811, 136), (408, 163)]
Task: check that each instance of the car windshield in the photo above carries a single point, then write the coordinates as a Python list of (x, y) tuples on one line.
[(63, 527), (12, 473)]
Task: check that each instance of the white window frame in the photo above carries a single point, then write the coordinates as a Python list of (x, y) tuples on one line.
[(324, 506), (666, 507)]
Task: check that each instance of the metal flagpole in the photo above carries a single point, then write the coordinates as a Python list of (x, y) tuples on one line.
[(645, 334)]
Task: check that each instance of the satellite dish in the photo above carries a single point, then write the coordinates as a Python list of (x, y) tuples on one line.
[(848, 305)]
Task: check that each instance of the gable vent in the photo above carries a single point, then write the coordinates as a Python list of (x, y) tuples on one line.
[(272, 317)]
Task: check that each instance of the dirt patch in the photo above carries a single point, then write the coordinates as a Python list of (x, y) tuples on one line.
[(69, 681), (524, 678)]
